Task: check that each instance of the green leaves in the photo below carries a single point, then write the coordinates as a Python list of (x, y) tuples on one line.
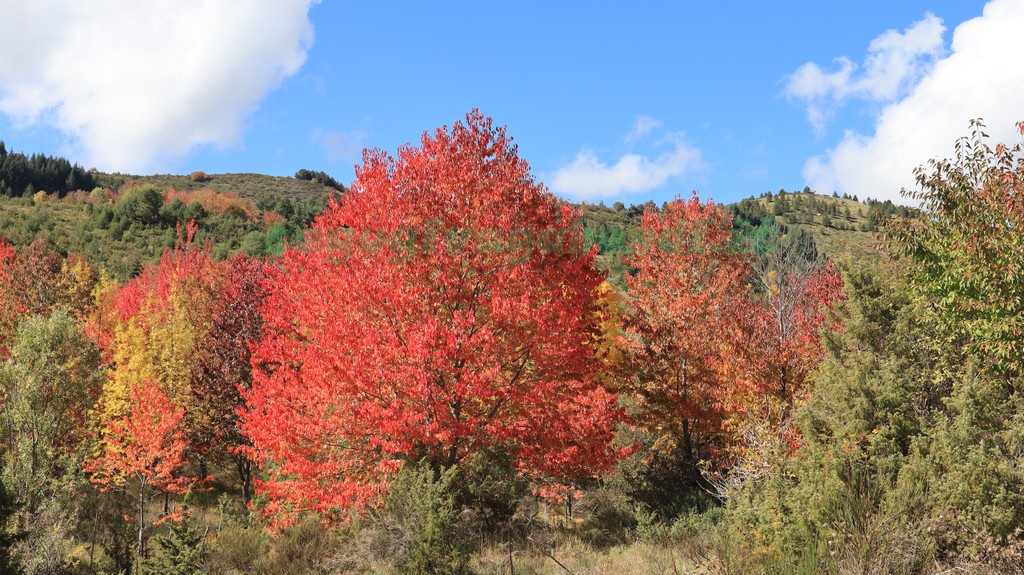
[(967, 251)]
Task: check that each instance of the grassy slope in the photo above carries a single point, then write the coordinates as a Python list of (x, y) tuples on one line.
[(249, 186), (73, 225), (70, 226), (844, 237)]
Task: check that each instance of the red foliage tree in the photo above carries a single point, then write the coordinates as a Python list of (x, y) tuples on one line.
[(8, 304), (444, 306), (790, 311), (223, 368)]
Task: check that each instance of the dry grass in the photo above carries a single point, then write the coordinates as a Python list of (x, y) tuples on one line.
[(248, 186), (578, 558)]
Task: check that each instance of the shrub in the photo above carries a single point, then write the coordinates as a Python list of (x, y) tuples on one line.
[(237, 548), (140, 205), (416, 530), (182, 551)]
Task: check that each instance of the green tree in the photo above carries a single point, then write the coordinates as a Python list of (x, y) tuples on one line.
[(8, 509), (140, 205), (967, 251), (420, 513), (182, 551), (48, 385)]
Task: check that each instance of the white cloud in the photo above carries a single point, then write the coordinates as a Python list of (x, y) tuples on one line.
[(644, 125), (895, 62), (979, 78), (587, 177), (135, 83)]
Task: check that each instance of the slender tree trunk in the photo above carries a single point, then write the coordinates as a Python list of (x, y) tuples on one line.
[(142, 520), (244, 467), (95, 530), (568, 508), (687, 441), (683, 391)]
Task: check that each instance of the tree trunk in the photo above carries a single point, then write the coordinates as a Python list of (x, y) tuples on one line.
[(244, 468), (687, 442), (142, 521)]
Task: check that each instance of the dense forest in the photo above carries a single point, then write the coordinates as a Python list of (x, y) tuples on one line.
[(24, 175), (443, 368)]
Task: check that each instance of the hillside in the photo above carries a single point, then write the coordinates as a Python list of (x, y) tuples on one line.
[(842, 227), (249, 186), (93, 225), (122, 229)]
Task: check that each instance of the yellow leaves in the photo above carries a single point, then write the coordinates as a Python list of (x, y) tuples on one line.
[(610, 325), (131, 366)]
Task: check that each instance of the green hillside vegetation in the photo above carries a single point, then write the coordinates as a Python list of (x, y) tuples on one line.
[(840, 227), (120, 222), (305, 192), (122, 230), (249, 186), (90, 225)]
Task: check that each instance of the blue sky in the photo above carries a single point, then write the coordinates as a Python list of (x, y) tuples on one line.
[(608, 101)]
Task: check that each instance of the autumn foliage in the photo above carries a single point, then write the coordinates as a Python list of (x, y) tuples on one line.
[(143, 453), (214, 202), (684, 321), (967, 251), (221, 366), (444, 306), (154, 323), (146, 446), (719, 340), (792, 308)]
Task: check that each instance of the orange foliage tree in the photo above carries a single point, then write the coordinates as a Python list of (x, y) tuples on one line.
[(143, 452), (721, 343), (683, 321), (445, 306)]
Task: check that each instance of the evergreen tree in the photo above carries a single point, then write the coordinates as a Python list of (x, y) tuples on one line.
[(182, 551)]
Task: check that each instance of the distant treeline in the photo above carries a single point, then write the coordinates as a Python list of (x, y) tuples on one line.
[(321, 178), (21, 174)]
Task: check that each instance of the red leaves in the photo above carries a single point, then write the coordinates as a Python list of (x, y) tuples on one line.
[(445, 306), (684, 315), (146, 446), (711, 338), (785, 329)]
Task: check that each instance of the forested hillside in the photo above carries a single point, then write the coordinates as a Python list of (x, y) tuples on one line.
[(130, 221), (840, 227), (437, 373)]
